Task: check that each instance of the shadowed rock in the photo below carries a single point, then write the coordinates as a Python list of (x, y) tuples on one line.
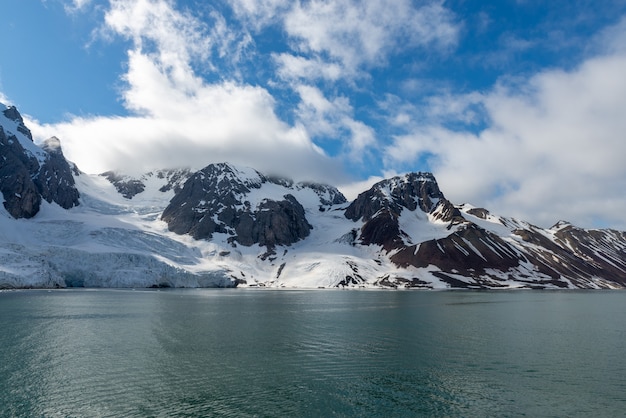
[(214, 200), (55, 180), (21, 197), (25, 179)]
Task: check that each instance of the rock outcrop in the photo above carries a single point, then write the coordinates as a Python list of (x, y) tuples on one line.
[(381, 206), (12, 113), (126, 186), (29, 173), (21, 197), (272, 223), (129, 186), (221, 198), (55, 180)]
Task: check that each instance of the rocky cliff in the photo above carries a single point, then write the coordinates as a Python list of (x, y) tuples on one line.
[(28, 173), (225, 199)]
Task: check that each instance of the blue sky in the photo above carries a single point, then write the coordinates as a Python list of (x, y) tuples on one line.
[(515, 105)]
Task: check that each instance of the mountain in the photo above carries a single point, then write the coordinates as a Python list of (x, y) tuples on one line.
[(226, 225), (248, 206), (30, 173)]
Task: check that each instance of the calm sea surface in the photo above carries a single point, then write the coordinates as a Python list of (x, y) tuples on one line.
[(235, 352)]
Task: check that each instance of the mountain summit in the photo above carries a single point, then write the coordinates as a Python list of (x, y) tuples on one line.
[(29, 173), (244, 204), (226, 225)]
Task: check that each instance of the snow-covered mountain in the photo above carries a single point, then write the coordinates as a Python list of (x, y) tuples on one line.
[(233, 226)]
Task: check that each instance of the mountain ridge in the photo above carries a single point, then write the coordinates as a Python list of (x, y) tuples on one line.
[(226, 225)]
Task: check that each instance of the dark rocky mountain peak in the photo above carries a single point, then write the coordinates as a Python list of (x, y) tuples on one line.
[(21, 197), (29, 173), (328, 195), (55, 179), (130, 187), (410, 191), (217, 199), (175, 179), (228, 181), (560, 225), (13, 114), (381, 206), (126, 186)]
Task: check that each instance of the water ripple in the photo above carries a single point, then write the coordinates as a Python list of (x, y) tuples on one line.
[(255, 354)]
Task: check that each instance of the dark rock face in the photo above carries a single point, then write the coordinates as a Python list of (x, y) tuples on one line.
[(381, 206), (383, 230), (468, 251), (21, 197), (55, 180), (12, 114), (411, 191), (214, 200), (479, 212), (604, 250), (274, 223), (206, 203), (584, 257), (127, 187), (130, 187), (328, 195), (175, 179), (471, 256), (25, 179)]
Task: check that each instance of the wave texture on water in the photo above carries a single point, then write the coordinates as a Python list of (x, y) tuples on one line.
[(311, 353)]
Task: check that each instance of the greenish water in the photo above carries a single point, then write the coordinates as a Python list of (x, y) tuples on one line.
[(234, 352)]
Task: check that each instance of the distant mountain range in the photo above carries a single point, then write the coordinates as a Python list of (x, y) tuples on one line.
[(233, 226)]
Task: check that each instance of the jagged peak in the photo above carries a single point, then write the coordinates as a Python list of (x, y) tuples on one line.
[(328, 195), (131, 185), (560, 225), (12, 114), (230, 177), (412, 190), (52, 145), (422, 176), (407, 180), (228, 174)]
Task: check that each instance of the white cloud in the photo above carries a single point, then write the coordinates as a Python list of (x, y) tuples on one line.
[(177, 118), (611, 40), (352, 190), (225, 122), (77, 5), (297, 67), (540, 148), (553, 147), (260, 13), (340, 39), (172, 38), (333, 120), (360, 33)]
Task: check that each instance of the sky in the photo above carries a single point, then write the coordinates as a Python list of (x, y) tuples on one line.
[(518, 106)]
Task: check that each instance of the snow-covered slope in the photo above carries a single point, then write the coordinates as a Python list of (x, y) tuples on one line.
[(226, 225)]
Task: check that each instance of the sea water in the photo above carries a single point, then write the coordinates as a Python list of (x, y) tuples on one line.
[(264, 353)]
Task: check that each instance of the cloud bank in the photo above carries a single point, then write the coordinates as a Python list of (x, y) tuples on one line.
[(541, 145), (177, 117), (553, 146)]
